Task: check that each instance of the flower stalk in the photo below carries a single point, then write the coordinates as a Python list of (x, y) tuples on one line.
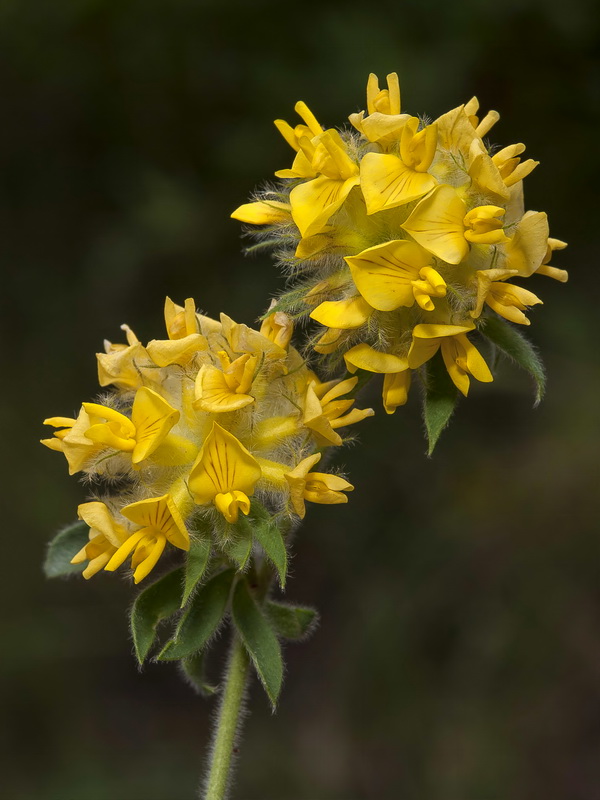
[(228, 723)]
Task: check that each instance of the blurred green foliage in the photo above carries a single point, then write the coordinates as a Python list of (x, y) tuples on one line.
[(458, 656)]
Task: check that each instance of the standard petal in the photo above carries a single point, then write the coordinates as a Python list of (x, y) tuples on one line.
[(437, 225)]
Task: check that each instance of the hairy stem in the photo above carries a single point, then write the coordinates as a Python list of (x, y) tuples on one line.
[(228, 722)]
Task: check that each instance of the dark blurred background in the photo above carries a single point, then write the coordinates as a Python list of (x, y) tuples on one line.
[(459, 652)]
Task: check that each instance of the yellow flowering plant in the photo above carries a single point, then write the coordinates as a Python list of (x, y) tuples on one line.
[(407, 241), (201, 458)]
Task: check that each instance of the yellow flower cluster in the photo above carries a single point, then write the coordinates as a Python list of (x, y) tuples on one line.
[(198, 427), (403, 234)]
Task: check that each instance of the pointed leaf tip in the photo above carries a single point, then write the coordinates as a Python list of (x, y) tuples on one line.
[(203, 616), (154, 604), (67, 543), (515, 346), (259, 640), (439, 400)]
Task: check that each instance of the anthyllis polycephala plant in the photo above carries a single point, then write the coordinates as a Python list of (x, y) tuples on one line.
[(405, 241), (202, 456)]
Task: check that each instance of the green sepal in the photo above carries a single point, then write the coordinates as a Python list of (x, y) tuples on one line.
[(519, 349), (193, 668), (239, 547), (260, 640), (201, 618), (292, 622), (195, 565), (270, 537), (155, 603), (67, 543), (439, 400)]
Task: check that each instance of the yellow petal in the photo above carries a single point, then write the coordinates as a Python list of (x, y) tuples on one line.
[(145, 566), (296, 479), (263, 212), (395, 390), (387, 182), (378, 127), (527, 248), (437, 225), (100, 521), (314, 202), (162, 515), (436, 330), (384, 274), (231, 503), (421, 350), (153, 418), (363, 356), (214, 395), (342, 314), (165, 352), (223, 465)]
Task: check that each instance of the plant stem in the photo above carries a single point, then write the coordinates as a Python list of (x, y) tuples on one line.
[(228, 722)]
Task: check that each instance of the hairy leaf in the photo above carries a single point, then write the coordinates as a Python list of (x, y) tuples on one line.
[(193, 668), (513, 344), (259, 639), (439, 400), (67, 543), (155, 603), (197, 559), (292, 622), (201, 619), (269, 536), (240, 546)]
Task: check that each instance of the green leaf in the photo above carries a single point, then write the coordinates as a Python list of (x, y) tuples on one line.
[(155, 603), (441, 396), (239, 548), (202, 618), (270, 538), (292, 622), (519, 349), (67, 543), (197, 559), (259, 639), (193, 668)]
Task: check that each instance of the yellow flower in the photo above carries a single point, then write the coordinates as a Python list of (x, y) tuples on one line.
[(151, 420), (317, 487), (510, 166), (225, 389), (384, 120), (441, 224), (396, 274), (72, 441), (161, 522), (278, 328), (324, 412), (461, 357), (397, 378), (106, 536), (122, 364), (263, 212), (506, 299), (553, 272), (225, 473), (183, 330), (388, 181), (314, 202), (343, 314), (299, 139)]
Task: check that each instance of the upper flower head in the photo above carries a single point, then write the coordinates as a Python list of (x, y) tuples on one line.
[(402, 226)]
